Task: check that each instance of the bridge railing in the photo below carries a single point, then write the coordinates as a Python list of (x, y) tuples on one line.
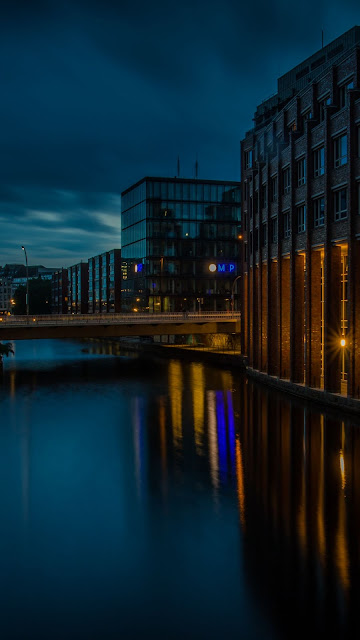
[(120, 318)]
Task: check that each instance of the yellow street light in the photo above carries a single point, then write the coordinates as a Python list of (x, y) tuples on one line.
[(343, 342)]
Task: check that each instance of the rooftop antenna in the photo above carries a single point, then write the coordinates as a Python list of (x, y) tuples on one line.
[(196, 167), (178, 167)]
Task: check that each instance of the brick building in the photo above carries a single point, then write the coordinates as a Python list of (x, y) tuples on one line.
[(300, 201)]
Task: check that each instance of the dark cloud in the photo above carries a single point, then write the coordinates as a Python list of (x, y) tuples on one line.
[(96, 94)]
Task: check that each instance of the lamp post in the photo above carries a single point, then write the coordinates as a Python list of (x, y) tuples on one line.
[(27, 282), (232, 293)]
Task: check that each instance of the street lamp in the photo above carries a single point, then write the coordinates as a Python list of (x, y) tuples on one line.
[(232, 293), (27, 282)]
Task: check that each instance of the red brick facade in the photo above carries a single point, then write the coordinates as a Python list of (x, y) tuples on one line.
[(301, 190)]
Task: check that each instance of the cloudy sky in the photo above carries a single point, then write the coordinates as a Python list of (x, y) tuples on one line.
[(97, 93)]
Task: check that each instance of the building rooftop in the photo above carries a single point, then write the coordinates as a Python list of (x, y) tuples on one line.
[(176, 179)]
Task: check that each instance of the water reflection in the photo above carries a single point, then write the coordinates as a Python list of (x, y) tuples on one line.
[(247, 502)]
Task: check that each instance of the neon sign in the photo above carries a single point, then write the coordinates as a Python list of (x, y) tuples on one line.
[(139, 267), (222, 267)]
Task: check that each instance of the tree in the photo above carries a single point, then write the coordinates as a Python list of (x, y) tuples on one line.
[(5, 350), (39, 298)]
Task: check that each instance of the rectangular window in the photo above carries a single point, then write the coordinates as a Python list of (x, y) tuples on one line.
[(324, 102), (286, 220), (319, 212), (340, 204), (319, 162), (286, 180), (274, 229), (264, 194), (248, 156), (274, 189), (340, 150), (343, 94), (305, 117), (301, 172), (301, 219), (264, 233)]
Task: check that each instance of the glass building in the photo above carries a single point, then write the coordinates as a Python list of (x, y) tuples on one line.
[(180, 244), (105, 282)]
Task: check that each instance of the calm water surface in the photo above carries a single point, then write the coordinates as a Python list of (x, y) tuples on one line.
[(159, 499)]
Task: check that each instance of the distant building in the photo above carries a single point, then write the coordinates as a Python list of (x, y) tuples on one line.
[(5, 295), (92, 287), (105, 282), (180, 244), (78, 288), (59, 292), (300, 171)]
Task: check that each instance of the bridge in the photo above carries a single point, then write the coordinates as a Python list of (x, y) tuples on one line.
[(117, 325)]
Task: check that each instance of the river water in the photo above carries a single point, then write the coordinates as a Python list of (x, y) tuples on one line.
[(154, 498)]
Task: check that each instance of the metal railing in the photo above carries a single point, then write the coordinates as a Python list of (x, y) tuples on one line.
[(120, 318)]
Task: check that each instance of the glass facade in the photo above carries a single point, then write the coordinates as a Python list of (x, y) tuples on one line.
[(172, 231), (105, 282)]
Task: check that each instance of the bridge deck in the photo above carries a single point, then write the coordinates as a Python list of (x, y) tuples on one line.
[(116, 325)]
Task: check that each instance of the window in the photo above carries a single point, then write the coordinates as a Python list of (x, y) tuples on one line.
[(301, 172), (343, 94), (286, 180), (324, 102), (274, 189), (306, 116), (340, 150), (245, 190), (319, 162), (264, 194), (319, 212), (340, 204), (248, 156), (286, 221), (264, 233), (301, 219), (274, 229)]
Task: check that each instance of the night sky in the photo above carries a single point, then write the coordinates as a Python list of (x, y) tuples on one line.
[(95, 95)]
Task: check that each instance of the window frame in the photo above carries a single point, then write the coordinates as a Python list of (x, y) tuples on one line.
[(340, 158), (301, 218), (318, 215), (301, 171), (319, 169), (340, 214)]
